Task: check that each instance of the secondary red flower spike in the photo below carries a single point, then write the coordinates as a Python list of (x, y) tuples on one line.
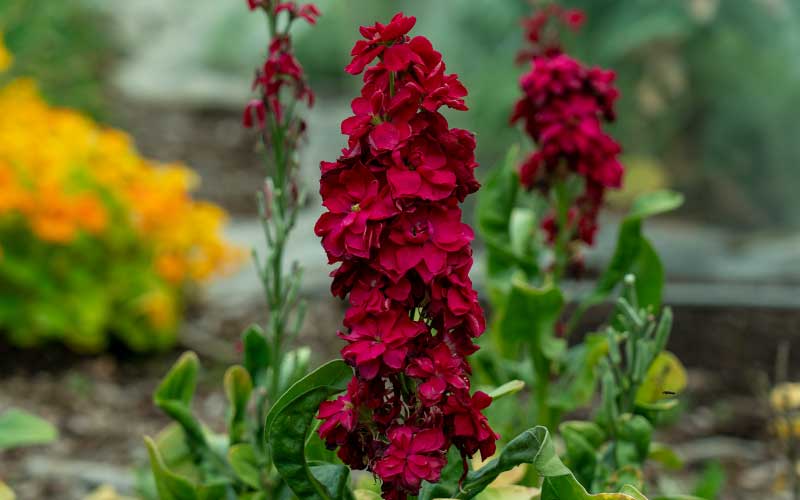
[(281, 70), (563, 109), (393, 224)]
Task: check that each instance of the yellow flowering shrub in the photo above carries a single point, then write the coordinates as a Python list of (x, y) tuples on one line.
[(95, 241)]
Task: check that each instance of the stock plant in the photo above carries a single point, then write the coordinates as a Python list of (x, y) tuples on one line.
[(97, 242), (187, 459), (399, 404)]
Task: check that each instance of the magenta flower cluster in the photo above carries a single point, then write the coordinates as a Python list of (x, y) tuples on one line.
[(281, 70), (563, 110), (393, 224)]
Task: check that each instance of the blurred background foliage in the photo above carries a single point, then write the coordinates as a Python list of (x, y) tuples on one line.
[(709, 88)]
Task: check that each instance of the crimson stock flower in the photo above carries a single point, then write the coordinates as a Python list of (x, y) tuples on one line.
[(280, 71), (563, 109), (393, 225)]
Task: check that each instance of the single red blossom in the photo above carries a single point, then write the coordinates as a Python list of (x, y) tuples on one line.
[(574, 18), (422, 240), (340, 417), (440, 369), (379, 41), (470, 426), (254, 107), (380, 343), (413, 456), (355, 201)]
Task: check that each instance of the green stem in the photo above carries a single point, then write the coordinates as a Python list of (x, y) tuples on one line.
[(561, 251), (540, 409)]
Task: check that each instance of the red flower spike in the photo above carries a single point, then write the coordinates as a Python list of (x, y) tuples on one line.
[(393, 225), (563, 110)]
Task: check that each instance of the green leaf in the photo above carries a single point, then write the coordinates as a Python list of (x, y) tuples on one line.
[(533, 446), (666, 375), (711, 481), (336, 479), (638, 431), (530, 315), (333, 374), (633, 250), (649, 272), (633, 492), (175, 393), (508, 237), (497, 200), (576, 385), (238, 387), (180, 382), (244, 463), (170, 486), (665, 455), (20, 428), (256, 353), (507, 389), (290, 421)]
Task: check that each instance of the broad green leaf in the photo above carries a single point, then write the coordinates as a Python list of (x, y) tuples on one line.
[(631, 245), (533, 446), (238, 387), (530, 315), (256, 353), (649, 272), (20, 428), (633, 492), (665, 376), (507, 389), (582, 440), (244, 463), (170, 486), (333, 374), (336, 478), (290, 421)]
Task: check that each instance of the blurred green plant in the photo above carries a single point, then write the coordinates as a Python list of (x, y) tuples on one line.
[(67, 47), (693, 76), (97, 242)]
